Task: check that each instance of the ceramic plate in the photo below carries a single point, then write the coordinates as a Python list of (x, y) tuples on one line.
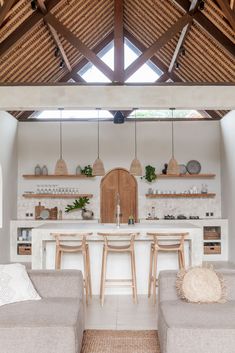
[(183, 169), (193, 167)]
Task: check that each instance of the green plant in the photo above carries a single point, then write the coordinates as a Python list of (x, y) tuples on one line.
[(150, 174), (78, 204), (87, 170)]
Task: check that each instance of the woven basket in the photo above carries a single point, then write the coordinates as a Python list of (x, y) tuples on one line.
[(173, 167), (98, 168), (136, 168)]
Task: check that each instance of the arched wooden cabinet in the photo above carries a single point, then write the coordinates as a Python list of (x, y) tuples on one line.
[(120, 181)]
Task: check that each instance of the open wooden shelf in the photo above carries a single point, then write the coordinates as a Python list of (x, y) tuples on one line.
[(56, 196), (53, 176), (158, 196), (187, 176)]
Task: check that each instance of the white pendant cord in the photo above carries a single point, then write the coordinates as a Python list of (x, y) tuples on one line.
[(172, 133), (61, 137), (135, 137), (98, 141)]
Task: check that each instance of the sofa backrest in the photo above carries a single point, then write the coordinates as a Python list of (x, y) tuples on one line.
[(167, 288), (57, 284)]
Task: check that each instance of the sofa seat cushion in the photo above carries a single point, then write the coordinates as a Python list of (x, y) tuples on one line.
[(180, 314), (52, 325)]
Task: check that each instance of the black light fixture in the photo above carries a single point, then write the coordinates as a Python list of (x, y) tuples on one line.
[(182, 51), (118, 118), (202, 5), (177, 65), (57, 51), (62, 64), (33, 5)]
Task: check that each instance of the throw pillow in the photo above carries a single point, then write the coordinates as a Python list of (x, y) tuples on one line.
[(15, 285), (201, 285)]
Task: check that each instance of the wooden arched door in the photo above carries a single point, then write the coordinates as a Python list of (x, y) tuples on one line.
[(120, 181)]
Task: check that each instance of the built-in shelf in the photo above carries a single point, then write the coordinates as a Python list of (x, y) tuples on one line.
[(53, 176), (157, 196), (56, 196), (186, 176)]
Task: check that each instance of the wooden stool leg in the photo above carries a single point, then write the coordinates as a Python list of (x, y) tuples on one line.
[(134, 284), (182, 260), (89, 271), (155, 275), (104, 276), (58, 259), (102, 273), (150, 272), (84, 254)]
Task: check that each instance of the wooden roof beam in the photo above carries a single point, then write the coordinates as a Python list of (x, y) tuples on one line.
[(157, 45), (228, 12), (78, 44), (182, 38), (118, 41), (20, 32), (102, 44), (4, 9), (55, 37), (209, 27)]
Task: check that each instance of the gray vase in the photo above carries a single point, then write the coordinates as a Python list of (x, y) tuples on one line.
[(87, 214)]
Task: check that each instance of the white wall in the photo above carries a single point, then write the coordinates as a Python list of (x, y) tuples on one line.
[(228, 176), (8, 161), (39, 143)]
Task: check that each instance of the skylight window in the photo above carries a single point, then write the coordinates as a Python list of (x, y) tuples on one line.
[(166, 114), (74, 114), (147, 73)]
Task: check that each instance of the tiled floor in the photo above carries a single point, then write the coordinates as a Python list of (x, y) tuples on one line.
[(120, 313)]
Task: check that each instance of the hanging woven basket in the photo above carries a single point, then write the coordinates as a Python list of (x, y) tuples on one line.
[(136, 168), (98, 168), (173, 167)]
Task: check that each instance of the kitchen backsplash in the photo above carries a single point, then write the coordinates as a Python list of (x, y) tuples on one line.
[(187, 207)]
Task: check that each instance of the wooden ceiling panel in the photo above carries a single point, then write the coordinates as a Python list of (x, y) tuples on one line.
[(216, 16), (15, 17)]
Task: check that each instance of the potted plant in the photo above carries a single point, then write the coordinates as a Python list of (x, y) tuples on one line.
[(80, 204), (150, 174)]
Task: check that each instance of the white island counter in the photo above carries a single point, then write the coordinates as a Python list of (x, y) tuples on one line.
[(43, 250)]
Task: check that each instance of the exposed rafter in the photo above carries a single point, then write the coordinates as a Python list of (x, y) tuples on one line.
[(55, 37), (182, 38), (157, 45), (228, 12), (118, 41), (209, 27), (77, 43), (4, 9), (20, 32)]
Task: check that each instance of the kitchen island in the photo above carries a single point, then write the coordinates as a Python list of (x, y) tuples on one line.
[(43, 250)]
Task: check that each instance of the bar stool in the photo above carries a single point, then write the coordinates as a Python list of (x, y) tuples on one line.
[(72, 249), (156, 247), (109, 248)]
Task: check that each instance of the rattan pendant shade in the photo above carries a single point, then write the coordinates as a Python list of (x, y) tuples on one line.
[(173, 166), (136, 167), (98, 166), (61, 166)]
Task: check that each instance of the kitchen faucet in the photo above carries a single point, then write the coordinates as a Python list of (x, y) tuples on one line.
[(118, 210)]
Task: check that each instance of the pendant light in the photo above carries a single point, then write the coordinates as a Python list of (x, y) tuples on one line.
[(98, 166), (61, 167), (173, 166), (136, 168)]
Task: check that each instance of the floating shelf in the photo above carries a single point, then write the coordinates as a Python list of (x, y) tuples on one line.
[(157, 196), (186, 176), (56, 196), (53, 176)]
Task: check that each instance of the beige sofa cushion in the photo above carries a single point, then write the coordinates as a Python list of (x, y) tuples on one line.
[(200, 285), (51, 325)]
